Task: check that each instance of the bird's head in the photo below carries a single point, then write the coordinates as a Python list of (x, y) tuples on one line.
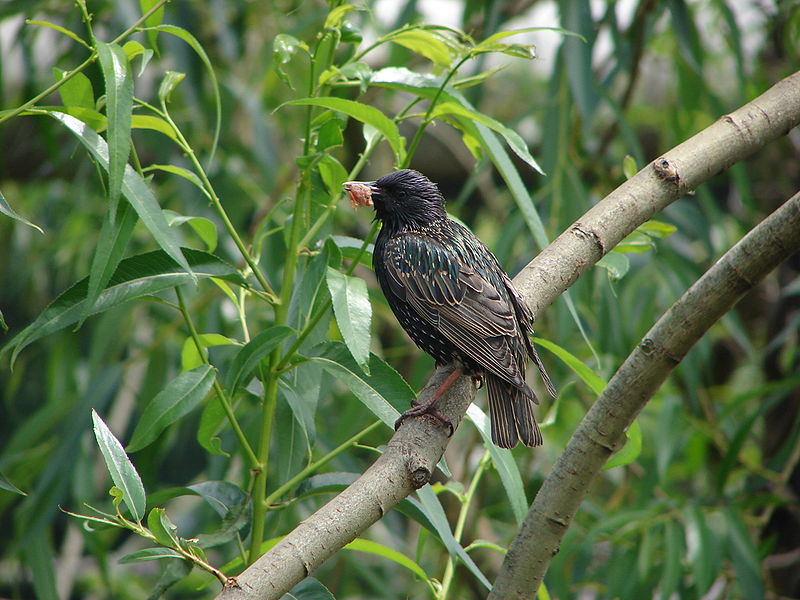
[(402, 198)]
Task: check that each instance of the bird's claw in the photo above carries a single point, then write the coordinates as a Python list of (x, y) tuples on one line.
[(419, 409)]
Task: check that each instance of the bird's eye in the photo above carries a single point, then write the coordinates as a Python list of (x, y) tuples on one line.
[(401, 194)]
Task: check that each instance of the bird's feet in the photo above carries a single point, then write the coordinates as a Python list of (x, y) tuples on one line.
[(424, 408), (429, 406)]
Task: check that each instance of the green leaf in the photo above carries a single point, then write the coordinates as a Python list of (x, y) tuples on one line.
[(512, 138), (6, 485), (76, 91), (133, 187), (702, 550), (362, 545), (423, 42), (589, 377), (122, 472), (133, 49), (114, 237), (284, 47), (364, 113), (504, 462), (616, 263), (198, 48), (168, 84), (657, 229), (629, 168), (135, 277), (435, 513), (204, 228), (231, 503), (673, 551), (177, 399), (630, 451), (155, 124), (190, 357), (181, 172), (164, 530), (6, 209), (119, 106), (383, 391), (337, 15), (353, 313), (152, 21), (251, 354), (351, 247), (308, 589), (501, 35), (744, 555), (58, 28), (149, 554)]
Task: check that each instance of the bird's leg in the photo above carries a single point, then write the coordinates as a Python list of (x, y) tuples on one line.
[(428, 407)]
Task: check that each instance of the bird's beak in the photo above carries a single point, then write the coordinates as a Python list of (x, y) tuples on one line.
[(361, 192)]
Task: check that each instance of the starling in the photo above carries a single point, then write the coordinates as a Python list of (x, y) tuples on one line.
[(452, 297)]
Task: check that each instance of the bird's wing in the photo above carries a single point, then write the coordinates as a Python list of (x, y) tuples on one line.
[(457, 301)]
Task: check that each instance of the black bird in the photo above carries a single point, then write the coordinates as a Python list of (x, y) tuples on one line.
[(453, 298)]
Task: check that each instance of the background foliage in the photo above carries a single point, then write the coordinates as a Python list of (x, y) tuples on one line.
[(708, 506)]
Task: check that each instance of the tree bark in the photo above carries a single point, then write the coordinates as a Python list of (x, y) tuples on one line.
[(602, 430), (417, 446)]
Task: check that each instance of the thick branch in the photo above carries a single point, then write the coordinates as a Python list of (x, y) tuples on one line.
[(602, 429), (418, 445)]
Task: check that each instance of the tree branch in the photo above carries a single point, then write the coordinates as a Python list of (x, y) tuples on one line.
[(602, 430), (417, 446)]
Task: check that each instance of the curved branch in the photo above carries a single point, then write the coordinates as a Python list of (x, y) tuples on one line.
[(602, 430), (417, 446)]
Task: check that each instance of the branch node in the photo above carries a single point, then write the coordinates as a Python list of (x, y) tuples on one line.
[(418, 471), (581, 232), (667, 170)]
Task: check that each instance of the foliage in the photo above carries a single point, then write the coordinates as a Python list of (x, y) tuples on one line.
[(185, 166)]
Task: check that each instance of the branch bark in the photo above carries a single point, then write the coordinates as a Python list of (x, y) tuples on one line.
[(602, 430), (417, 446)]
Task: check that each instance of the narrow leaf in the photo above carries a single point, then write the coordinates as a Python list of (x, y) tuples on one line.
[(512, 138), (6, 209), (114, 237), (149, 554), (425, 43), (198, 48), (119, 105), (589, 377), (76, 91), (252, 353), (435, 512), (504, 462), (119, 466), (377, 549), (353, 313), (630, 451), (177, 399), (133, 187), (364, 113), (383, 391), (135, 277)]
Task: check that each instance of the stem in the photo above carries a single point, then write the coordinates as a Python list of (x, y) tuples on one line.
[(312, 467), (70, 74), (223, 398), (427, 118), (260, 480), (216, 204), (466, 503)]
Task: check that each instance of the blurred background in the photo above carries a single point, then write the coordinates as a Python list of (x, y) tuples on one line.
[(710, 507)]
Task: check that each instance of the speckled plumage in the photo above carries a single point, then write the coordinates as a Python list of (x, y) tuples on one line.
[(455, 301)]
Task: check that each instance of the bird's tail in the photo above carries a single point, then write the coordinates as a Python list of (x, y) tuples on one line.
[(511, 413)]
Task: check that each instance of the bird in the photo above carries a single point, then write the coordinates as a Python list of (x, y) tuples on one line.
[(454, 300)]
